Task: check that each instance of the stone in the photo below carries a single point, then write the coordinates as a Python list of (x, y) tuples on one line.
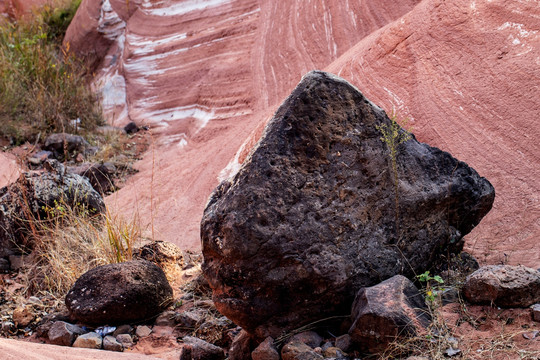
[(265, 351), (202, 350), (344, 342), (32, 197), (241, 346), (334, 353), (63, 333), (40, 157), (123, 329), (111, 344), (23, 316), (298, 351), (97, 298), (311, 216), (99, 175), (143, 331), (391, 309), (503, 285), (189, 319), (63, 142), (310, 338), (536, 312), (131, 128), (126, 340), (166, 255), (166, 318), (89, 340)]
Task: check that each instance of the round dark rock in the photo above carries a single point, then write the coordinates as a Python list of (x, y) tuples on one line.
[(119, 293)]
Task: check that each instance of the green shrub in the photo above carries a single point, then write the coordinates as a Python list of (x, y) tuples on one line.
[(42, 86)]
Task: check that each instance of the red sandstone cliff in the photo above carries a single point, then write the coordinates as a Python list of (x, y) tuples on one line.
[(207, 74)]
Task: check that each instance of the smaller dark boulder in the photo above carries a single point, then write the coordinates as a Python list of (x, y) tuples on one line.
[(503, 285), (119, 293), (381, 313), (131, 128), (61, 143), (99, 175)]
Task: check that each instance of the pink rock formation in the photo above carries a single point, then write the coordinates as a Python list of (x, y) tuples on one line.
[(17, 350), (206, 74), (9, 170)]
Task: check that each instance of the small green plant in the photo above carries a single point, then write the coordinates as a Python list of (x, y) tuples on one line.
[(429, 280), (393, 135)]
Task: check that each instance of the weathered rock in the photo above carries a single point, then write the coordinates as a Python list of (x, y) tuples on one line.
[(99, 175), (381, 313), (310, 338), (63, 333), (29, 198), (123, 329), (298, 351), (189, 319), (89, 340), (97, 298), (241, 346), (126, 340), (61, 142), (503, 285), (111, 344), (265, 351), (334, 353), (344, 342), (143, 331), (536, 312), (311, 217), (202, 350), (164, 254), (39, 157)]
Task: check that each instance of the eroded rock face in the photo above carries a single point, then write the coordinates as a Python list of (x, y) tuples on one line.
[(29, 198), (310, 217), (119, 293), (503, 285)]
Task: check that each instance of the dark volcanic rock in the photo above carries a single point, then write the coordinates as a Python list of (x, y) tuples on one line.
[(119, 293), (28, 199), (99, 175), (503, 285), (385, 311), (65, 143), (310, 218)]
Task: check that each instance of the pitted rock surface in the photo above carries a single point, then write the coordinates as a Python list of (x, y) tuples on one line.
[(119, 293), (310, 217)]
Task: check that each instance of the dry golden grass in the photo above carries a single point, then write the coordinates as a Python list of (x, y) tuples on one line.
[(72, 242)]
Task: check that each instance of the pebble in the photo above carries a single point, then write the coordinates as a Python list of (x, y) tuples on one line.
[(143, 331), (90, 340), (111, 344), (126, 340)]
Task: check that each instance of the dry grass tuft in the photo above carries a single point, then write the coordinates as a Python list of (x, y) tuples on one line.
[(72, 242)]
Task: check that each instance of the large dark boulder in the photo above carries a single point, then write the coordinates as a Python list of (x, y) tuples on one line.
[(119, 293), (311, 216), (38, 196)]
